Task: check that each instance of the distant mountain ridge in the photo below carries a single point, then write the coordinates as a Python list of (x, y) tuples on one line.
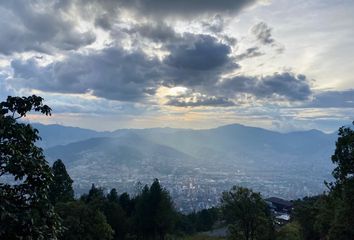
[(138, 154), (222, 143), (55, 134)]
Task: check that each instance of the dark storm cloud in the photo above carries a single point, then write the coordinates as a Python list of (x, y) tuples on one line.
[(333, 99), (192, 59), (263, 33), (284, 85), (201, 101), (116, 74), (112, 74), (184, 7), (104, 22), (206, 53), (197, 60), (37, 26)]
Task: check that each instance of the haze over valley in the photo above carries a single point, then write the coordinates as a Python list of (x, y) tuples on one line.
[(194, 165)]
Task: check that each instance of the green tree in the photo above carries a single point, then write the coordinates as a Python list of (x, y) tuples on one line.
[(143, 222), (305, 213), (61, 189), (25, 211), (95, 197), (343, 187), (206, 219), (82, 222), (331, 215), (127, 204), (110, 207), (164, 210), (116, 218), (112, 196), (247, 213), (291, 231), (343, 156), (155, 214)]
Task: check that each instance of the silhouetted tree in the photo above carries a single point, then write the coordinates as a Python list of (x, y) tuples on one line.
[(112, 196), (82, 222), (290, 231), (25, 211), (95, 197), (343, 187), (164, 214), (60, 189), (247, 213), (331, 216), (116, 218), (305, 213), (155, 213), (127, 204), (144, 214), (206, 219)]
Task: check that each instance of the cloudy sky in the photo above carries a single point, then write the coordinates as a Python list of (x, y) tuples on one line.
[(109, 64)]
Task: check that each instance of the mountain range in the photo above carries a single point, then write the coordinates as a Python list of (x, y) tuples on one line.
[(130, 155)]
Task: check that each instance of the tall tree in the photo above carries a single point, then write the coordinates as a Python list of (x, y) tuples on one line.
[(112, 196), (26, 212), (127, 203), (247, 213), (343, 187), (83, 222), (343, 156), (164, 214), (144, 215), (290, 231), (155, 213), (305, 213), (331, 215), (116, 218), (61, 189)]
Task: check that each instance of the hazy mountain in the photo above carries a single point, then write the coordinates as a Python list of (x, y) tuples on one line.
[(54, 134), (298, 160), (127, 152), (228, 145), (249, 146)]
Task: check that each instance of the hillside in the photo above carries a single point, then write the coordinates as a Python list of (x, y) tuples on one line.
[(286, 164)]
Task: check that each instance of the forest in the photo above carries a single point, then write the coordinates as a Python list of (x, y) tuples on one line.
[(37, 201)]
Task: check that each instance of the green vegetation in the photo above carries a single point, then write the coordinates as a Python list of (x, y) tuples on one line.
[(25, 211), (38, 201), (291, 231), (80, 221), (247, 213), (60, 189), (331, 215), (194, 222)]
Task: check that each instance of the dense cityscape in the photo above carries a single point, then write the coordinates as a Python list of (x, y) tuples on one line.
[(198, 189)]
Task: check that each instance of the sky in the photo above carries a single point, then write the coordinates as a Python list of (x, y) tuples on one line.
[(110, 64)]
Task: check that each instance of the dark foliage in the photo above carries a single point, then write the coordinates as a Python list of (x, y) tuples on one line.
[(61, 189), (247, 213), (81, 222), (25, 211), (331, 215), (201, 221)]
